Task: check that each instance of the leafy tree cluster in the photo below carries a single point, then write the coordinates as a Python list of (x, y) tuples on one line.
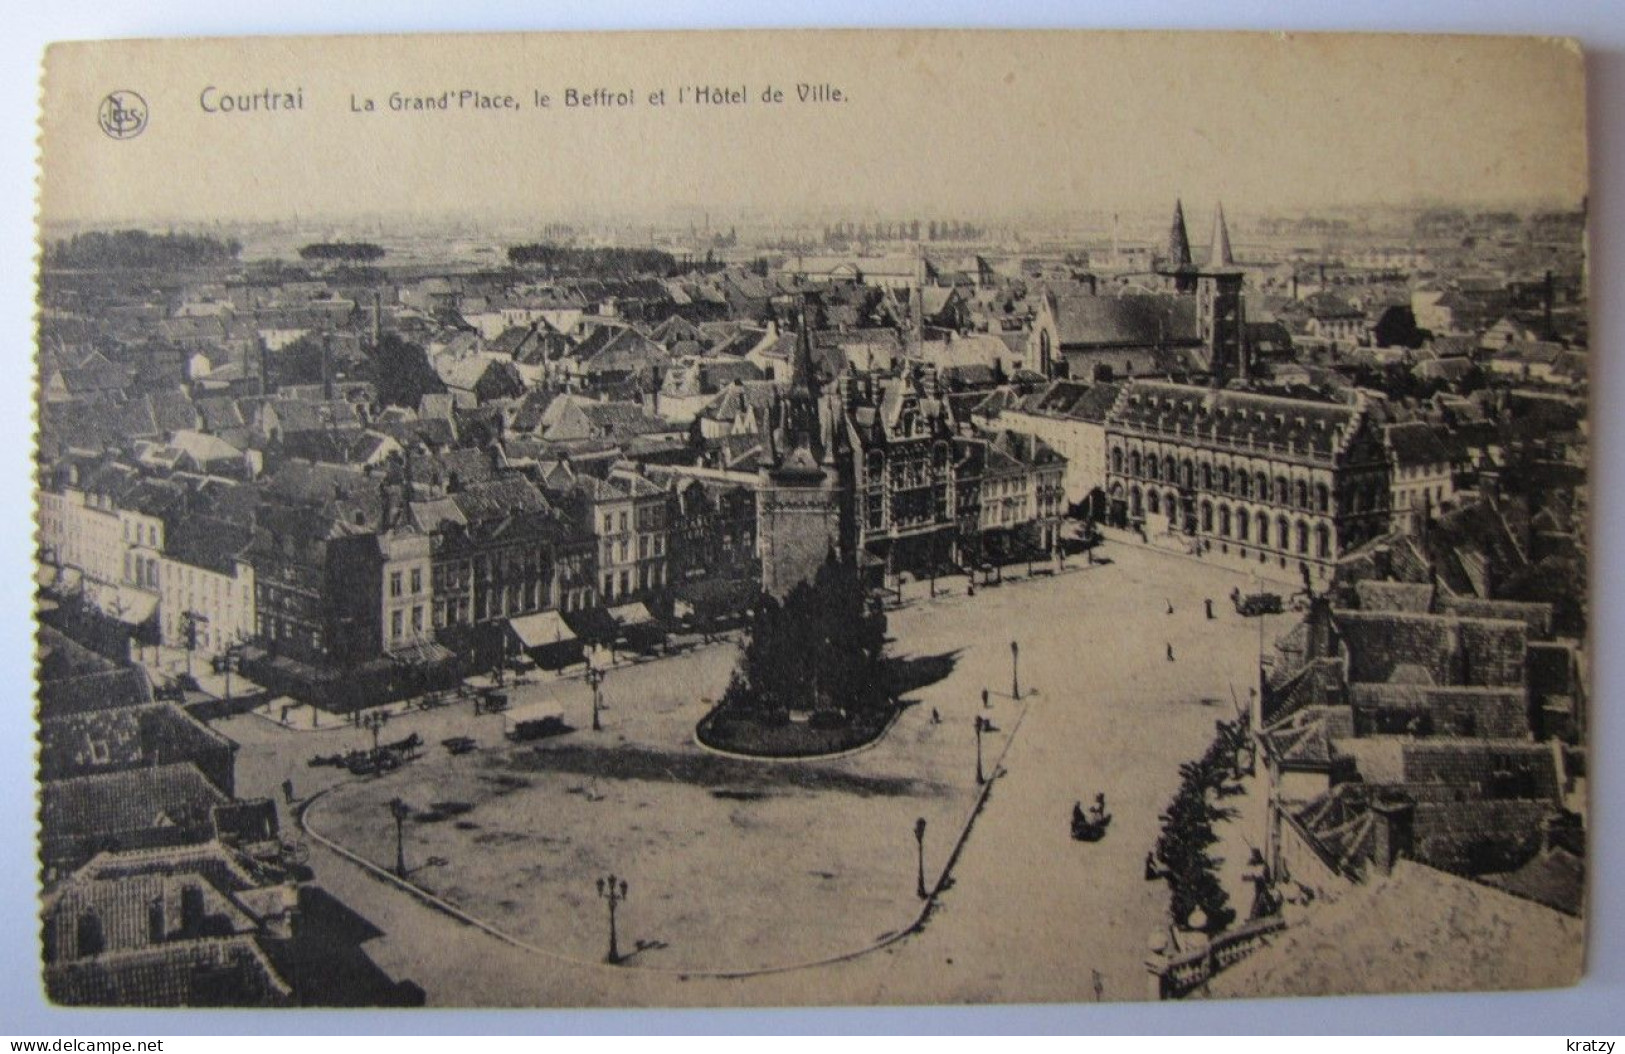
[(349, 251), (114, 250), (599, 262), (1187, 830), (821, 650), (402, 373)]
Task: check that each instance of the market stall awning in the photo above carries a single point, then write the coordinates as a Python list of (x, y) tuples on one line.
[(629, 615), (541, 629), (421, 653)]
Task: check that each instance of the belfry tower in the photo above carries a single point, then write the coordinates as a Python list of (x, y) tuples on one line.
[(802, 495), (1221, 318)]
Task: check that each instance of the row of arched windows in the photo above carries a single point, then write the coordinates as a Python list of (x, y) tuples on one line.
[(1293, 535), (1253, 486)]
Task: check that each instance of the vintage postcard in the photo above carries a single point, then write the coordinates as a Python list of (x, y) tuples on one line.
[(742, 519)]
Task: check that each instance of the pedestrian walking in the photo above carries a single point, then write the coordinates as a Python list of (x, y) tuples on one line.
[(287, 791), (1170, 652), (936, 718), (985, 703), (1170, 607), (1209, 602)]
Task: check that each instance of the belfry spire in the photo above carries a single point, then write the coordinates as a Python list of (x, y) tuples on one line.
[(1219, 255), (1179, 242)]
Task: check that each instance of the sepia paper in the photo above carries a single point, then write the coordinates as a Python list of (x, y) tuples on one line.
[(761, 518)]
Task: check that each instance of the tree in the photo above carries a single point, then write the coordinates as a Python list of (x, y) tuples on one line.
[(821, 649), (402, 372)]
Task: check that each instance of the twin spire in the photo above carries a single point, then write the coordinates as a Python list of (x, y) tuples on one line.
[(1179, 243)]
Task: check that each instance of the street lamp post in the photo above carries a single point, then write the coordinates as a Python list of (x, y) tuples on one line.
[(613, 891), (595, 678), (1015, 676), (374, 721), (919, 842), (400, 811)]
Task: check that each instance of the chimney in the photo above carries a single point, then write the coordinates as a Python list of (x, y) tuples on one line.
[(1393, 832), (191, 909), (157, 928), (327, 366)]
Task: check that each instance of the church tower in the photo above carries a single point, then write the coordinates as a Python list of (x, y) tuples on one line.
[(1177, 263), (801, 502), (1220, 312)]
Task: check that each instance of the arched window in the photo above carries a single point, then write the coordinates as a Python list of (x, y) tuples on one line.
[(1242, 521), (1207, 476), (1136, 503), (1261, 486), (1168, 468), (1117, 460), (1262, 522), (1224, 521), (1188, 473), (1323, 542), (1283, 534), (1303, 537), (1207, 517), (1246, 484), (1134, 463), (1303, 494), (1323, 497), (1153, 502), (1224, 478), (1282, 496)]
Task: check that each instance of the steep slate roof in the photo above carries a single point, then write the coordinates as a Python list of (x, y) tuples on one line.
[(1418, 929), (498, 498), (170, 975), (120, 802), (1237, 418), (1130, 320), (1416, 443), (128, 686)]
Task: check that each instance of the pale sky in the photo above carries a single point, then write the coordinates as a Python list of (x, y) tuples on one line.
[(935, 124)]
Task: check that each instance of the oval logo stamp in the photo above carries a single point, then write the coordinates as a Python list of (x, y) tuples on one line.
[(123, 114)]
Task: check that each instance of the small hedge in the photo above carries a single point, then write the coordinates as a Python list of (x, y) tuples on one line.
[(744, 732)]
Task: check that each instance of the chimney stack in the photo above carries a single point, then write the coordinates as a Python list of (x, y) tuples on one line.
[(1393, 833)]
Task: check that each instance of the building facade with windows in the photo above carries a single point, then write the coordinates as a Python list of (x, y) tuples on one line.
[(1271, 483)]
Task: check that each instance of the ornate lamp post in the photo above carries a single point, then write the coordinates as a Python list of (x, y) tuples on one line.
[(1015, 678), (374, 721), (613, 891), (919, 842), (400, 811)]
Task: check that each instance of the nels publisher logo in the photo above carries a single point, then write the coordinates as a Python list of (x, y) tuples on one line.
[(123, 114)]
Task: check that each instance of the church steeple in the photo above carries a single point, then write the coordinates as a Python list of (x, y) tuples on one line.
[(1179, 242), (798, 440), (1219, 255)]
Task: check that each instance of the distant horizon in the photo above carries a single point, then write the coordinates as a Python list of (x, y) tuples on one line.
[(1198, 214)]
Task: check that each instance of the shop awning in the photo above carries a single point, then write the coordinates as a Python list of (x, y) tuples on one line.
[(541, 629), (629, 615), (421, 653)]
